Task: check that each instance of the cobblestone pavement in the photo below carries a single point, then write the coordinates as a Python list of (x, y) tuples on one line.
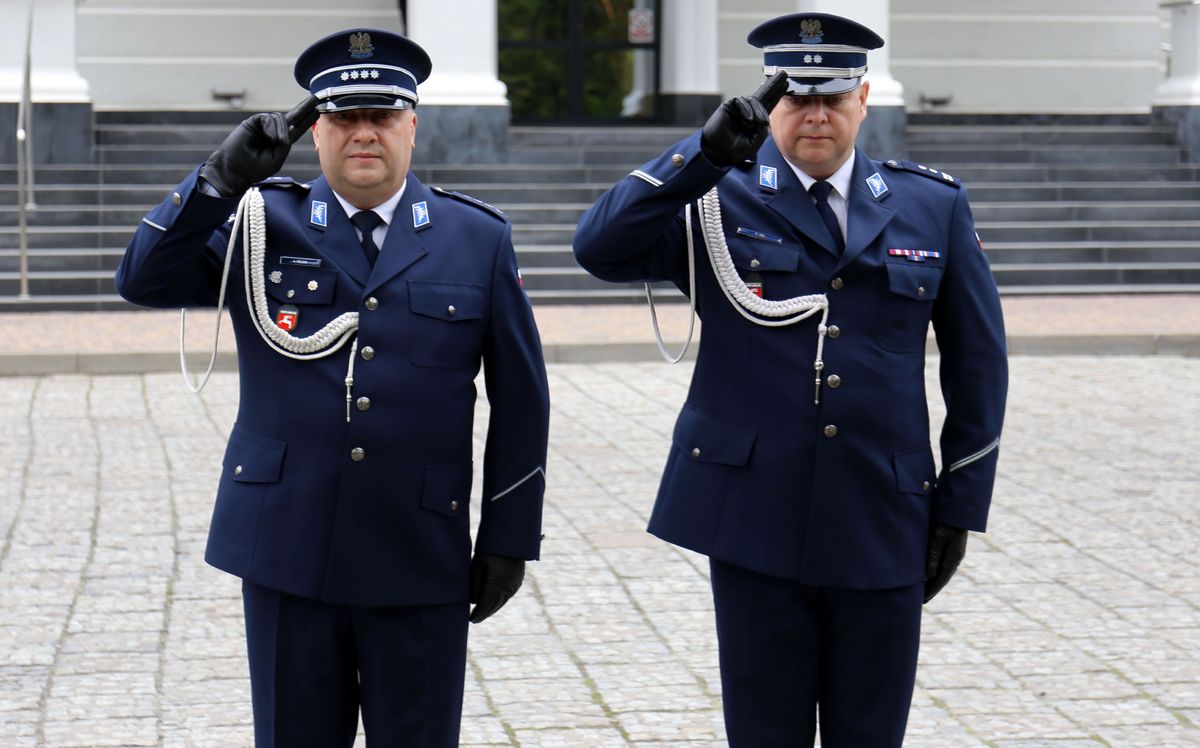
[(1074, 622)]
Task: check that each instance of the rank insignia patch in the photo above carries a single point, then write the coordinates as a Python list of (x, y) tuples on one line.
[(878, 187), (420, 214), (768, 176), (320, 214)]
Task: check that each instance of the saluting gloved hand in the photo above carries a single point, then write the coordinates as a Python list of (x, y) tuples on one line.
[(947, 546), (494, 579), (737, 129), (255, 150)]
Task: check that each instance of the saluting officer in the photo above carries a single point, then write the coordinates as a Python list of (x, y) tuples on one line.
[(818, 502), (344, 500)]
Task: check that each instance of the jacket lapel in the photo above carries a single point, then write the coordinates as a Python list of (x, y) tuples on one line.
[(867, 214), (333, 234), (403, 245), (790, 199)]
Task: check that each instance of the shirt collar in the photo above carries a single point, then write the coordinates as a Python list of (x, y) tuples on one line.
[(840, 179), (385, 210)]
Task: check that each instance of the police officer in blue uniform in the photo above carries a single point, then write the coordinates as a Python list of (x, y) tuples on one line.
[(801, 462), (364, 304)]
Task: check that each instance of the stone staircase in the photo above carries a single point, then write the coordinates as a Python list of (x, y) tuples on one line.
[(1065, 205)]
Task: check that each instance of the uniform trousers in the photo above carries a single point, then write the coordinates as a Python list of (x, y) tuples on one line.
[(314, 664), (789, 651)]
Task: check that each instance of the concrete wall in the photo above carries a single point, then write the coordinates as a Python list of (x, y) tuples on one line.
[(1046, 56), (172, 54)]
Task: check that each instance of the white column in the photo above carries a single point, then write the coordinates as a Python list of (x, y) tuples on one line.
[(689, 47), (875, 15), (462, 40), (53, 77), (1182, 85)]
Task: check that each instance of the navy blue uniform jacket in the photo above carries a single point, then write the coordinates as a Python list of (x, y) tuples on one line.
[(294, 510), (841, 493)]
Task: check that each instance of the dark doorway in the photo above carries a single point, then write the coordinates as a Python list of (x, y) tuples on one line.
[(580, 61)]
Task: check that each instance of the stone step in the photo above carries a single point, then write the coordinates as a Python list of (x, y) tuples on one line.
[(1095, 231), (1106, 273), (1168, 252), (1027, 135), (1113, 158), (44, 260), (995, 212), (1099, 192), (1035, 174)]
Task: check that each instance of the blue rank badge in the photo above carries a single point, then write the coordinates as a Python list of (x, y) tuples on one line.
[(320, 213), (420, 214), (877, 185), (768, 176)]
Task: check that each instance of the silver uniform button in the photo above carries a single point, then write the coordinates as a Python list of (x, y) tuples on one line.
[(176, 199), (358, 454), (834, 331), (677, 160), (695, 451), (371, 303), (836, 284), (453, 506), (363, 403), (920, 290), (834, 381), (237, 470), (754, 263), (367, 353), (925, 486), (451, 311), (831, 431)]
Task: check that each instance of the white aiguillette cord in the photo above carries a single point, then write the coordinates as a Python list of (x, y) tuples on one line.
[(251, 218), (780, 312)]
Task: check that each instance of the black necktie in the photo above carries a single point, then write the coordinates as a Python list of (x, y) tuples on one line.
[(820, 190), (366, 221)]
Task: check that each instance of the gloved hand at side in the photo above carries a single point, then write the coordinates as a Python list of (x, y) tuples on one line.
[(494, 579), (947, 547)]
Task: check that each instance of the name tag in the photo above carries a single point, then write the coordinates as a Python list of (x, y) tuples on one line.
[(306, 262)]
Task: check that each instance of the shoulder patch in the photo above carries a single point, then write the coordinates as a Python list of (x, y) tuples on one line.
[(283, 182), (923, 170), (472, 201)]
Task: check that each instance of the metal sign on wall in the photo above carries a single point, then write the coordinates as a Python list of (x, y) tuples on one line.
[(641, 26)]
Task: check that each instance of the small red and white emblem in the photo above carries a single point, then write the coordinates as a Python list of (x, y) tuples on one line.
[(287, 317)]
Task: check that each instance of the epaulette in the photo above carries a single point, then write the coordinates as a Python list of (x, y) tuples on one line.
[(283, 182), (923, 170), (472, 201)]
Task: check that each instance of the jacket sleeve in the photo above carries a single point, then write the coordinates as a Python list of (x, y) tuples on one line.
[(969, 327), (514, 461), (635, 231), (176, 254)]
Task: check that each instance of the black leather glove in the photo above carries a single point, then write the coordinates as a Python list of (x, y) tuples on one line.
[(494, 579), (737, 129), (255, 150), (947, 546)]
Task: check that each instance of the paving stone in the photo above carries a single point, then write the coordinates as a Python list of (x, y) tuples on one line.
[(1074, 622)]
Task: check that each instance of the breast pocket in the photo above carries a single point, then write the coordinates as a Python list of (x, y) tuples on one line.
[(300, 299), (907, 307), (447, 324), (758, 252)]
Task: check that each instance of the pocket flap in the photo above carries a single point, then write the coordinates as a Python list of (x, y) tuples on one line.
[(253, 458), (750, 252), (914, 468), (916, 281), (705, 439), (451, 302), (447, 489), (301, 285)]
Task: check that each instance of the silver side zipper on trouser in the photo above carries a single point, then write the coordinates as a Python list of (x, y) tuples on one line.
[(976, 456)]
